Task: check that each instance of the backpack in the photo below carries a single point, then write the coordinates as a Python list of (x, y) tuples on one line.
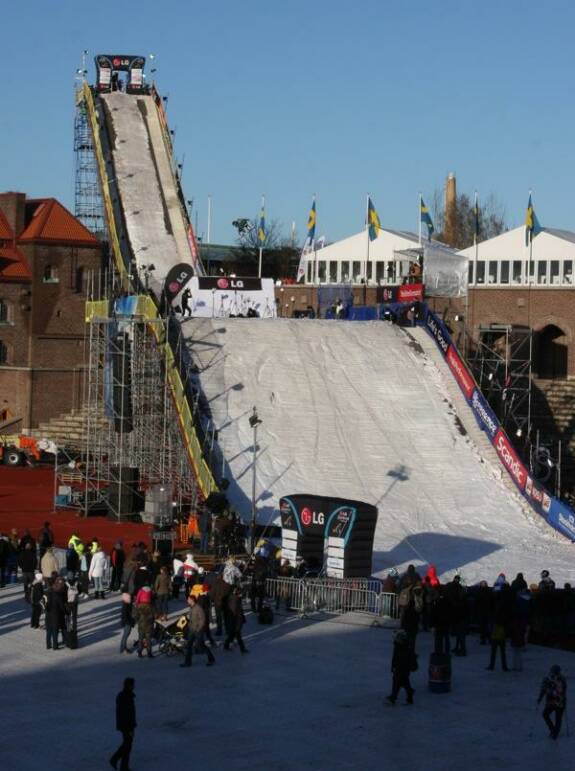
[(404, 597)]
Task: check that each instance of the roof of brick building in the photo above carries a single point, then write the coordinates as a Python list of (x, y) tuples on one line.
[(48, 221), (13, 264)]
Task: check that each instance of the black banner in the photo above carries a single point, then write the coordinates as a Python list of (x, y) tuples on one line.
[(227, 282), (176, 280)]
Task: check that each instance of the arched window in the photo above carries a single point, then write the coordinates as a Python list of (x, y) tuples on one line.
[(551, 353), (3, 353), (50, 275)]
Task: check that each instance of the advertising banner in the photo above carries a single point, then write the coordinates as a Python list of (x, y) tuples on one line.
[(510, 459), (484, 415), (176, 281), (562, 518), (410, 293), (460, 372), (227, 297), (537, 495), (437, 330)]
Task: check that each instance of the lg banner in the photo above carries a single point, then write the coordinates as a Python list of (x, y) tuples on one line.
[(510, 459), (225, 297)]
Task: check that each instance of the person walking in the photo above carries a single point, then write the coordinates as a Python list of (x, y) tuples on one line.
[(195, 633), (127, 621), (234, 620), (117, 558), (145, 620), (27, 564), (403, 662), (125, 723), (162, 587), (55, 613), (554, 689)]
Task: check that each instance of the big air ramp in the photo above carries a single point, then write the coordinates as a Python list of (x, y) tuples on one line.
[(357, 410)]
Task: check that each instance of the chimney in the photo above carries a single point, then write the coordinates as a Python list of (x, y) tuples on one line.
[(450, 216), (13, 206)]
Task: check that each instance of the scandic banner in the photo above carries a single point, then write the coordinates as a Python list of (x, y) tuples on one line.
[(460, 372), (510, 459)]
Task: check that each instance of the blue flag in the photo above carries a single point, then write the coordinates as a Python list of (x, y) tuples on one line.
[(373, 223), (426, 218), (262, 227), (532, 224)]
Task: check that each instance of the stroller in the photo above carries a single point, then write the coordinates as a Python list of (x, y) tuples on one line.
[(172, 638)]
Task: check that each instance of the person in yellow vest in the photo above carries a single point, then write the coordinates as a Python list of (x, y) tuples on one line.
[(74, 541), (94, 546)]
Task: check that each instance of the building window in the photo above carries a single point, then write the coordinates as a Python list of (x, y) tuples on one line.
[(333, 272), (470, 272), (554, 277), (516, 271), (321, 271), (356, 272), (379, 271), (542, 272), (3, 353), (504, 272), (345, 271), (4, 312), (480, 278), (568, 271), (50, 275), (492, 274)]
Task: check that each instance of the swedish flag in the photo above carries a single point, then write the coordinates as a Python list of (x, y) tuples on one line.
[(426, 218), (373, 223), (311, 220), (532, 224), (262, 227)]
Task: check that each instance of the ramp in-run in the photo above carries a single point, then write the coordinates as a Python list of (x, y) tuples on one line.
[(359, 410)]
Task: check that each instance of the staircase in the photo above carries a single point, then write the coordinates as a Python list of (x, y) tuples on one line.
[(69, 430), (553, 405)]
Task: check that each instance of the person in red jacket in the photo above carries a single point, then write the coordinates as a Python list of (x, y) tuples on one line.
[(432, 576)]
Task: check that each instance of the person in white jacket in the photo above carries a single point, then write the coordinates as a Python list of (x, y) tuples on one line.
[(97, 570)]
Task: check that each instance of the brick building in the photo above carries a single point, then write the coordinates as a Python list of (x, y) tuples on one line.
[(46, 258)]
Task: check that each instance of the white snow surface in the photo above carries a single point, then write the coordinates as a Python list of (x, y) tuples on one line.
[(310, 695), (356, 409)]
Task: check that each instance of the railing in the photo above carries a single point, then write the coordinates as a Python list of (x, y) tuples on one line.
[(332, 596)]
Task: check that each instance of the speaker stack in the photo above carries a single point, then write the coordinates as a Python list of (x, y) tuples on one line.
[(122, 384), (124, 497)]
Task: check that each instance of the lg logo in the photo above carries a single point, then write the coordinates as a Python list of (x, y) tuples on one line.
[(309, 517)]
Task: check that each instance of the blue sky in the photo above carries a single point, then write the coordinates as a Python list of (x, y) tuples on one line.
[(331, 97)]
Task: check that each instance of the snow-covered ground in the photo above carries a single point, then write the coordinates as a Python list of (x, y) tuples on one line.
[(308, 696), (358, 410)]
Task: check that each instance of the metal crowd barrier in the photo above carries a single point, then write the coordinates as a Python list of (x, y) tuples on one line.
[(332, 596)]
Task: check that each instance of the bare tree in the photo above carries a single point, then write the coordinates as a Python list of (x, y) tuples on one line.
[(248, 233), (492, 218)]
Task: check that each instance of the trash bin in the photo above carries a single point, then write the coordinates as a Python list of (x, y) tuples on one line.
[(440, 672)]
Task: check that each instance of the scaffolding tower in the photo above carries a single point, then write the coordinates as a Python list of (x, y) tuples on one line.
[(501, 363), (88, 203), (139, 446)]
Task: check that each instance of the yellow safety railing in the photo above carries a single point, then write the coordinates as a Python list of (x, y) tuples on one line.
[(105, 185), (146, 309)]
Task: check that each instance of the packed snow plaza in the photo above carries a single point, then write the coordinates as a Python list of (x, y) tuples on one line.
[(272, 459)]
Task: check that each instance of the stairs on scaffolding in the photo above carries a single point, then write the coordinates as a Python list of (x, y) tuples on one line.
[(69, 429)]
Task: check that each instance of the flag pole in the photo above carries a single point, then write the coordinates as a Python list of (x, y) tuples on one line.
[(419, 217), (367, 233), (261, 245)]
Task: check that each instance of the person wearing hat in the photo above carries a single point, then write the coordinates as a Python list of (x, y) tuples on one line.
[(403, 662), (554, 689), (36, 595)]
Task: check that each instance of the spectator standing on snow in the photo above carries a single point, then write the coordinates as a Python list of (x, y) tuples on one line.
[(55, 613), (45, 539), (117, 558), (49, 563), (127, 621), (441, 621), (83, 581), (97, 570), (546, 583), (411, 613), (220, 592), (145, 620), (36, 597), (483, 609), (458, 602), (4, 547), (125, 723), (27, 564), (498, 634), (162, 587), (554, 689), (403, 662), (234, 620)]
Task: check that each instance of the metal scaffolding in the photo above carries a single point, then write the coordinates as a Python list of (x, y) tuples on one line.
[(501, 362), (138, 445), (88, 203)]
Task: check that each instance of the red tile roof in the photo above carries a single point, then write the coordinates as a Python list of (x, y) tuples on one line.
[(5, 229), (53, 223), (13, 265)]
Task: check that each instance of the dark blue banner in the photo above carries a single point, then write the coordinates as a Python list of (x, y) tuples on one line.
[(484, 415), (438, 331)]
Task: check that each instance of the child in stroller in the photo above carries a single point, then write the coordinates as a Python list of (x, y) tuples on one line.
[(171, 638)]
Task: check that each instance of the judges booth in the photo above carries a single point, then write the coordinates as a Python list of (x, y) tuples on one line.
[(108, 73), (333, 531)]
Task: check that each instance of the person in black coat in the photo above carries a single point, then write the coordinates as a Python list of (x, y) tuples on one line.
[(441, 622), (403, 662), (258, 585), (36, 595), (55, 613), (125, 723), (483, 610), (234, 620), (27, 564)]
